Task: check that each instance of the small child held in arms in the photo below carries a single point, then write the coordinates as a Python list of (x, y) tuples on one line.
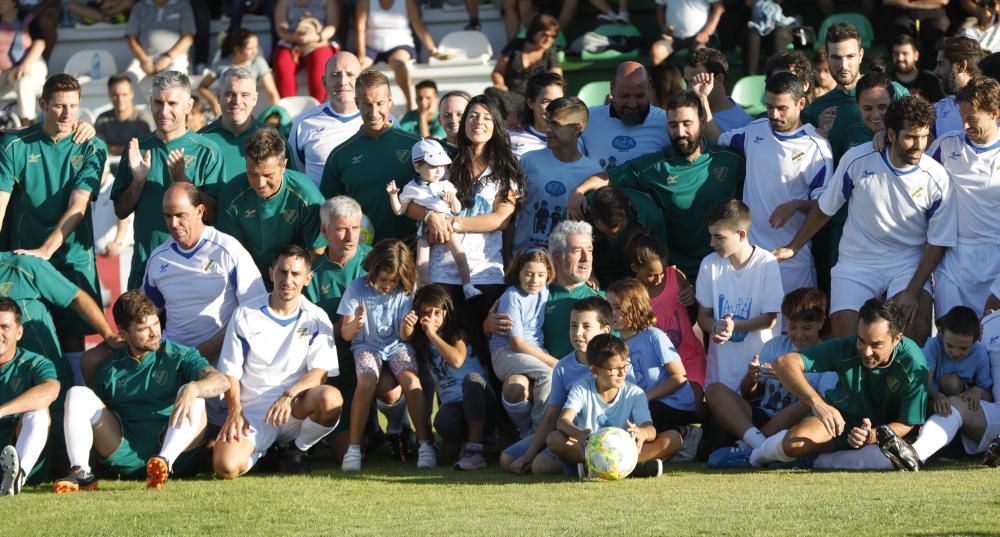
[(608, 400), (433, 192), (959, 364)]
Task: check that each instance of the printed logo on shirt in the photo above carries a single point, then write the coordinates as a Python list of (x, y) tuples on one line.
[(120, 382), (555, 188), (5, 288), (250, 213), (955, 155), (623, 143), (209, 264), (32, 159), (302, 332), (16, 384), (189, 160), (403, 155), (160, 377), (892, 383), (325, 289), (798, 155), (866, 174), (758, 139), (356, 159), (720, 173), (916, 193), (290, 215), (163, 268), (672, 179), (740, 308), (76, 161)]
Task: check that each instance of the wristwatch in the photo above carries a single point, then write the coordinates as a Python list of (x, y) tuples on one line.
[(456, 226)]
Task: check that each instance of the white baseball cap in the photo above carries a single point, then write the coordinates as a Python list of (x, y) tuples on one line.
[(431, 152)]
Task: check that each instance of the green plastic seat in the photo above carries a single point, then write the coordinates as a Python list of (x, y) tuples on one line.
[(610, 30), (595, 93), (858, 20), (749, 93)]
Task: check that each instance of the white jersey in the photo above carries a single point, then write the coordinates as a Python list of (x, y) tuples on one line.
[(547, 184), (316, 133), (268, 353), (892, 213), (780, 168), (200, 288), (527, 140), (609, 142), (948, 117), (975, 180), (991, 338), (746, 293)]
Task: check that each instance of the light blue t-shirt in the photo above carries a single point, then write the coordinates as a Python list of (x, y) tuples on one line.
[(973, 369), (449, 379), (592, 413), (776, 396), (384, 314), (731, 118), (650, 351), (567, 373), (527, 314)]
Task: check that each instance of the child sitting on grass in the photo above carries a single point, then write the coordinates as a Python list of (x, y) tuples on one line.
[(959, 364)]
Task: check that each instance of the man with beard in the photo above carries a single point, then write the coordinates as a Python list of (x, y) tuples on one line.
[(687, 179), (786, 163), (629, 127), (907, 73), (957, 63), (902, 217), (725, 112)]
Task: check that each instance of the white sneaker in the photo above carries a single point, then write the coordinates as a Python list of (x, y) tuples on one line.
[(352, 460), (623, 16), (10, 467), (426, 456)]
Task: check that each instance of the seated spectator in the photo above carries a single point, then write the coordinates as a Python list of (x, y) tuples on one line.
[(766, 21), (667, 81), (520, 58), (239, 48), (94, 11), (22, 67), (159, 34), (424, 120), (306, 29), (385, 34), (986, 30), (685, 25), (907, 72), (543, 88), (727, 114), (929, 19), (46, 15), (124, 121), (278, 119)]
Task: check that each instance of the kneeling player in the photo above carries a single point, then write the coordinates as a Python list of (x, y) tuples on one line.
[(28, 385), (277, 354), (145, 408)]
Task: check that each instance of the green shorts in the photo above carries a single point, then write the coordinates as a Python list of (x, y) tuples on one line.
[(83, 274), (142, 440), (346, 382)]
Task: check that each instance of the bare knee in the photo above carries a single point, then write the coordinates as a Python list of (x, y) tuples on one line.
[(951, 385), (228, 468), (516, 389)]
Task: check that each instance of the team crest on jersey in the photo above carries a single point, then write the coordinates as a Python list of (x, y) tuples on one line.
[(892, 383), (189, 160), (209, 265), (160, 377), (325, 289), (403, 155), (916, 193), (5, 288), (356, 159), (120, 383), (302, 332), (290, 215), (16, 384), (33, 159), (76, 161), (671, 179), (720, 173), (250, 213)]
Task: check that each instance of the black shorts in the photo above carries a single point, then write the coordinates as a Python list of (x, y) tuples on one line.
[(668, 418)]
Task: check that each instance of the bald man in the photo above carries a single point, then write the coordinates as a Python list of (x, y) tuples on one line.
[(320, 129), (629, 127)]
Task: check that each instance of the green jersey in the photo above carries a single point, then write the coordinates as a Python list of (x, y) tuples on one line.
[(894, 393), (848, 115), (145, 390), (23, 372), (290, 216), (686, 191), (410, 122), (329, 280), (362, 166), (556, 325), (231, 146), (202, 166), (610, 258)]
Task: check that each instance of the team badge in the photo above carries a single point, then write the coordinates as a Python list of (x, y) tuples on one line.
[(75, 161), (120, 383), (325, 289), (250, 213), (189, 160), (403, 155), (671, 179), (208, 265), (5, 288), (720, 172), (290, 215), (160, 377), (33, 159), (356, 159), (892, 383), (16, 383)]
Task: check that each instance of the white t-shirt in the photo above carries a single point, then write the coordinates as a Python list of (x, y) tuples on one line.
[(948, 117), (428, 195), (746, 293), (484, 251), (200, 288), (780, 168), (547, 184), (687, 17), (608, 142), (269, 353), (892, 213), (316, 133), (988, 39), (975, 181)]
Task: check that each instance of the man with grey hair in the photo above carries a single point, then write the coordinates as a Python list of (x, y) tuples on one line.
[(270, 206), (171, 153), (237, 95)]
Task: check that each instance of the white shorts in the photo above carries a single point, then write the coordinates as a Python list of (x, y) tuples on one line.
[(992, 412), (964, 277), (264, 436), (853, 283), (797, 276)]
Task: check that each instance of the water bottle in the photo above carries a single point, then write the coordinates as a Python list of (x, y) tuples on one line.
[(95, 66)]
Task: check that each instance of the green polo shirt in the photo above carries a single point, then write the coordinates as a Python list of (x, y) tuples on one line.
[(329, 280), (848, 115), (231, 146), (894, 393), (290, 216), (555, 329), (23, 372), (143, 391), (686, 192), (610, 255), (410, 122), (362, 166), (203, 167)]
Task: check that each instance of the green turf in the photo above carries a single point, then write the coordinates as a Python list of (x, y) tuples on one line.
[(395, 499)]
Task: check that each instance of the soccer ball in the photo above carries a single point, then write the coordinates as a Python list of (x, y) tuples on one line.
[(367, 231), (611, 454)]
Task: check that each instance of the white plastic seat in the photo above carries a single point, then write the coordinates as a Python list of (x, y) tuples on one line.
[(468, 47), (79, 63), (297, 104)]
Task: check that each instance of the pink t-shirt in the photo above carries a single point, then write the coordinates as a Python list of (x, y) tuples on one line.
[(672, 318), (7, 33)]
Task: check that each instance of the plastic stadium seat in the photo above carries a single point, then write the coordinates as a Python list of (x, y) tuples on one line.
[(859, 21), (79, 64), (469, 48), (617, 29), (595, 93), (296, 105), (749, 93), (88, 115)]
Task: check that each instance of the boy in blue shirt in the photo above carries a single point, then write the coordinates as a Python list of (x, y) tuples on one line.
[(959, 364)]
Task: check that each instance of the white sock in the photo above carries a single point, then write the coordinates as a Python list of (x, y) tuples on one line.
[(310, 433), (354, 447), (753, 437), (83, 410), (178, 439), (770, 451), (394, 414), (936, 433), (520, 414), (866, 458), (31, 439), (73, 358)]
